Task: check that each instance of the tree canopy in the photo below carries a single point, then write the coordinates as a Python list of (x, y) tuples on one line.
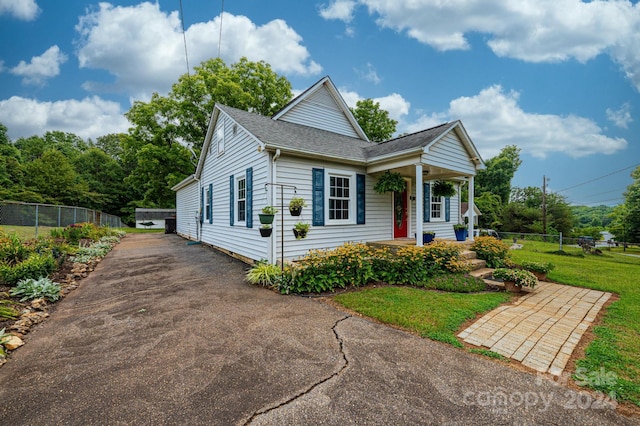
[(375, 121), (496, 177), (626, 217)]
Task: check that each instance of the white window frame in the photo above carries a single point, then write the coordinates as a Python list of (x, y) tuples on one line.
[(220, 138), (241, 219), (439, 201), (351, 176), (207, 207)]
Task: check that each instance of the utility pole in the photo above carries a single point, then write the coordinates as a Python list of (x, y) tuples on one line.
[(544, 207)]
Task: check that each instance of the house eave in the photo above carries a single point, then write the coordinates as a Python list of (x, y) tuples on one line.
[(185, 182), (272, 148)]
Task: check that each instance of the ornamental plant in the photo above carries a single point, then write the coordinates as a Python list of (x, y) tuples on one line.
[(269, 210), (264, 273), (33, 289), (493, 251), (540, 267), (390, 182), (519, 277)]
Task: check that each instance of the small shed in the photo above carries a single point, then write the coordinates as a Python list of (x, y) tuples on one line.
[(153, 218)]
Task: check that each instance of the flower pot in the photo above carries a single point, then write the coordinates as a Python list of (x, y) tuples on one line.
[(427, 238), (511, 287), (266, 232), (541, 276), (266, 219), (461, 234), (299, 234), (295, 211)]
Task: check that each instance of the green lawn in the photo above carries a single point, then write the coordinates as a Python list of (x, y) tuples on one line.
[(439, 315), (432, 314), (617, 346), (27, 232)]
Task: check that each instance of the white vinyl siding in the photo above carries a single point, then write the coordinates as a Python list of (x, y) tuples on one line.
[(449, 153), (297, 172), (188, 211), (240, 153), (322, 112)]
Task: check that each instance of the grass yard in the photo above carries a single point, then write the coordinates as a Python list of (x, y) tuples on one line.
[(617, 347), (28, 232), (436, 315)]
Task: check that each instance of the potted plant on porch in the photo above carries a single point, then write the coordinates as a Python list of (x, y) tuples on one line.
[(428, 236), (390, 182), (515, 279), (268, 212), (300, 230), (266, 230), (461, 231), (539, 269), (443, 188), (295, 206)]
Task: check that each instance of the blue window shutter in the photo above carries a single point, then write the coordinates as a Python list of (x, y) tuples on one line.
[(231, 212), (210, 203), (360, 199), (426, 193), (201, 204), (318, 197), (447, 209), (249, 197)]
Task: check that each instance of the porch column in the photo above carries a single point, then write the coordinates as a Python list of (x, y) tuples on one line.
[(419, 205), (472, 208)]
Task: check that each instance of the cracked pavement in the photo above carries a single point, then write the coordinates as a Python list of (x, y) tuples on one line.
[(168, 333)]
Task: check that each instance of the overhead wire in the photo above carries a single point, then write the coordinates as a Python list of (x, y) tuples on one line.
[(598, 178), (184, 38), (220, 34)]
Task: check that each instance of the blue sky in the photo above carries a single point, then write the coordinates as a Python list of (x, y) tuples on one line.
[(558, 78)]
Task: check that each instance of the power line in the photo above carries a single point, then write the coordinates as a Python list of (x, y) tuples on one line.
[(598, 178), (184, 37), (220, 35)]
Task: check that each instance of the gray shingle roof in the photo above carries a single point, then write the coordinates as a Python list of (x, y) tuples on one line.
[(309, 140)]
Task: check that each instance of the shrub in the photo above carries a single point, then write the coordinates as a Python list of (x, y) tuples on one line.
[(493, 251), (7, 311), (264, 273), (34, 266), (33, 289), (540, 267), (407, 265), (326, 270), (12, 250), (520, 277), (446, 256), (457, 283)]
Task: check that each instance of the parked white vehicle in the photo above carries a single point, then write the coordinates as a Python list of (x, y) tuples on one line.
[(489, 232)]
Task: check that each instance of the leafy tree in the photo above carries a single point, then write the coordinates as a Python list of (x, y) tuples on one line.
[(184, 114), (111, 144), (490, 206), (626, 217), (496, 177), (104, 178), (375, 122), (54, 178), (524, 212)]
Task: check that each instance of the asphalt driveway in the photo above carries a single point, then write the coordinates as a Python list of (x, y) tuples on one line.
[(168, 333)]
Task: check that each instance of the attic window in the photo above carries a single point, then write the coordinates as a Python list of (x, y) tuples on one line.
[(220, 139)]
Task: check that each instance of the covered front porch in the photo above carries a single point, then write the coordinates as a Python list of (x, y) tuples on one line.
[(425, 160)]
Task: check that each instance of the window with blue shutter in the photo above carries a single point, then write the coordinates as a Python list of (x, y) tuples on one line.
[(210, 206), (318, 197), (231, 202), (360, 199), (426, 202), (447, 209), (249, 197)]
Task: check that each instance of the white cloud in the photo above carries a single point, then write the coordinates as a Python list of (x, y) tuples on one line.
[(369, 74), (27, 10), (339, 9), (530, 30), (88, 118), (494, 119), (143, 46), (620, 117), (42, 67), (394, 104)]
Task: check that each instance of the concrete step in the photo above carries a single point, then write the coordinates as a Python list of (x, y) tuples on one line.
[(482, 273), (468, 254), (476, 264), (493, 283)]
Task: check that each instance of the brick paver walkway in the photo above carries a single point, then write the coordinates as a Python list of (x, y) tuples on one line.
[(541, 329)]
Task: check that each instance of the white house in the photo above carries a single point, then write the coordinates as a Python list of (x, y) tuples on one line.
[(314, 148)]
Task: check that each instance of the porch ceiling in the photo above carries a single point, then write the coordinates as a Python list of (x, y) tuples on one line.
[(428, 172)]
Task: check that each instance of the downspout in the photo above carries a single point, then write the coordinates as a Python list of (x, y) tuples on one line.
[(199, 211), (274, 233)]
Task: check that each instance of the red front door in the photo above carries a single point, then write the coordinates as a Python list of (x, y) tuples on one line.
[(400, 214)]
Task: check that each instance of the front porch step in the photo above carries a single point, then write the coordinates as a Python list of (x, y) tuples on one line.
[(483, 273), (468, 254), (477, 264)]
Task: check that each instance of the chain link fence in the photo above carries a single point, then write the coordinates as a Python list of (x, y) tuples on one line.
[(52, 216)]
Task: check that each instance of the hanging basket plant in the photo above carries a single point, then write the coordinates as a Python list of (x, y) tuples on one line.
[(390, 182), (443, 188)]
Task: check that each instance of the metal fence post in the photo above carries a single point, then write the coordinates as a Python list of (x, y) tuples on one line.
[(561, 241), (36, 221)]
